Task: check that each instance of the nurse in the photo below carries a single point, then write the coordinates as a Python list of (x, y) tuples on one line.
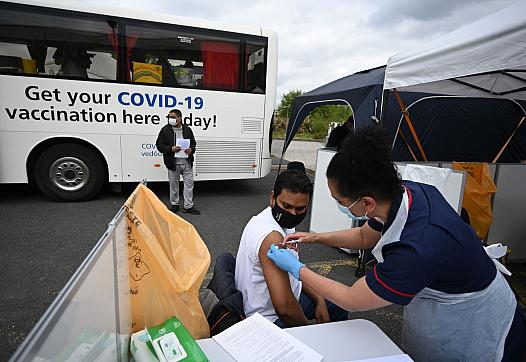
[(458, 306)]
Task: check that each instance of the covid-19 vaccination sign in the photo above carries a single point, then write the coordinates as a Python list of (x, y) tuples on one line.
[(121, 121), (101, 106)]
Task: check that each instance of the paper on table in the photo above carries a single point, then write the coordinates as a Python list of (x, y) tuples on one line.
[(396, 358), (257, 339), (184, 143)]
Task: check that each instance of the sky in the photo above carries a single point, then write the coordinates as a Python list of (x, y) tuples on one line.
[(324, 40)]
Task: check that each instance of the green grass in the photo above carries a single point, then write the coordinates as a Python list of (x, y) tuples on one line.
[(298, 136)]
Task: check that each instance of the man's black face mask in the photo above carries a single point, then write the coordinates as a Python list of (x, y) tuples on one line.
[(284, 218)]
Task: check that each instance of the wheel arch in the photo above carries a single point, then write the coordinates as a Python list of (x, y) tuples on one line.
[(45, 144)]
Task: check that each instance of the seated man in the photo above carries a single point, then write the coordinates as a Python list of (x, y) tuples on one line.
[(266, 289)]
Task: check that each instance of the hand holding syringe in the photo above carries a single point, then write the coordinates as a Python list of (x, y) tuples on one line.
[(291, 244), (292, 240)]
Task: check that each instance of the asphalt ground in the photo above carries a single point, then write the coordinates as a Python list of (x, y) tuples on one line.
[(42, 243)]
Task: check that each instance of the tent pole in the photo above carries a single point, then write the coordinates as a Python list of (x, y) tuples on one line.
[(409, 123), (383, 107), (280, 162), (407, 144), (508, 141)]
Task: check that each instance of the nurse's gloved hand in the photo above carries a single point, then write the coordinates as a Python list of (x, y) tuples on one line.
[(285, 260)]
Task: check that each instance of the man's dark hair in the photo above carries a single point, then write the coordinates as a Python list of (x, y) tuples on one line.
[(176, 111), (364, 167), (296, 165), (294, 181)]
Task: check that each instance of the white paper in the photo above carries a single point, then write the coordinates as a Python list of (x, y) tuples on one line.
[(396, 358), (184, 143), (257, 339)]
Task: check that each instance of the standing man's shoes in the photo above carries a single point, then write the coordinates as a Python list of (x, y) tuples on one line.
[(174, 208), (192, 211)]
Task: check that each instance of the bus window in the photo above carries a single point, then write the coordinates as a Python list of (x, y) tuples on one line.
[(60, 46), (221, 64), (179, 59), (255, 68)]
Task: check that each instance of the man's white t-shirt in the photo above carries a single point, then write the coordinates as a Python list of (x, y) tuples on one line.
[(250, 280)]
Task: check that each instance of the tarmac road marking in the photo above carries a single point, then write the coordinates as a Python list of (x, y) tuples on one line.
[(324, 267)]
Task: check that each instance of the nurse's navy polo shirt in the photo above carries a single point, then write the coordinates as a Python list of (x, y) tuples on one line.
[(437, 249)]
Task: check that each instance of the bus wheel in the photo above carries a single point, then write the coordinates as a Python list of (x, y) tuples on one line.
[(69, 172)]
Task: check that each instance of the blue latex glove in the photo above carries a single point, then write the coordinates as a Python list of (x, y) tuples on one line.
[(285, 260)]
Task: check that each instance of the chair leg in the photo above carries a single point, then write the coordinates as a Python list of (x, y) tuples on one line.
[(360, 269)]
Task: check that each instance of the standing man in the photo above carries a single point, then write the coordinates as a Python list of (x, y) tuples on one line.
[(340, 133), (178, 161)]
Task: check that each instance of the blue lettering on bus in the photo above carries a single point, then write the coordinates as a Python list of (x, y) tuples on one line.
[(171, 104), (121, 101), (152, 150), (134, 96), (151, 99), (156, 100)]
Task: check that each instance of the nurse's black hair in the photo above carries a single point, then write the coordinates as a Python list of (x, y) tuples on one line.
[(293, 180), (364, 167)]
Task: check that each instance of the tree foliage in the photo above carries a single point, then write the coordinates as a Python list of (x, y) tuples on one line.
[(285, 106), (317, 122), (320, 118)]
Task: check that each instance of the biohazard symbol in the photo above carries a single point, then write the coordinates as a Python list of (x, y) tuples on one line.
[(138, 267)]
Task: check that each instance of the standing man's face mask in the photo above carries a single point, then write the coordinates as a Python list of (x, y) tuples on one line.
[(172, 121), (350, 215), (284, 218)]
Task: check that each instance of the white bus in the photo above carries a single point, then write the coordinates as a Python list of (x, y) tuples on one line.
[(83, 96)]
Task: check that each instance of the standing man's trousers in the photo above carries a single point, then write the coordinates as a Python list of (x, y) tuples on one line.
[(188, 180)]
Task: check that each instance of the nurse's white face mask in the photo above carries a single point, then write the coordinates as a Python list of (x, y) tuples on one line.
[(347, 211)]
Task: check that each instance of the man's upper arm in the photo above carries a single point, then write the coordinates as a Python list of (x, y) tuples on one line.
[(193, 143), (161, 143), (277, 280)]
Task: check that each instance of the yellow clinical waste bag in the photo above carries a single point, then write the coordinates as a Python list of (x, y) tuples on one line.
[(168, 261), (477, 195)]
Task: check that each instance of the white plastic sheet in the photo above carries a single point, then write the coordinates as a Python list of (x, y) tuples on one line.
[(490, 44)]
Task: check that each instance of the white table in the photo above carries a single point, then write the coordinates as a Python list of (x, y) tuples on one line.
[(336, 341)]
